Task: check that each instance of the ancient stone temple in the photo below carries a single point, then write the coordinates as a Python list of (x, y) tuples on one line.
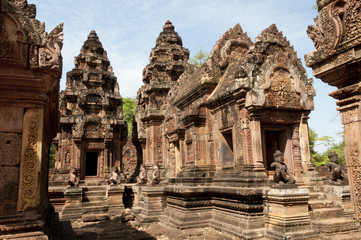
[(30, 69), (92, 131), (336, 61), (168, 60), (225, 124)]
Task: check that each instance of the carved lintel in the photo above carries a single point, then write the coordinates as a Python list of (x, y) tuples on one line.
[(31, 156), (350, 114), (334, 62)]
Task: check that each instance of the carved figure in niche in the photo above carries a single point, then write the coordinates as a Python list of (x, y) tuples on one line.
[(281, 170), (155, 174), (67, 158), (142, 178), (73, 179), (336, 173), (114, 176)]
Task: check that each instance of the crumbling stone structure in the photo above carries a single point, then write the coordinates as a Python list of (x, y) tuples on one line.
[(336, 61), (30, 69), (92, 131)]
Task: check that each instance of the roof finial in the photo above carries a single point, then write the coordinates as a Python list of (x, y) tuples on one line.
[(168, 26)]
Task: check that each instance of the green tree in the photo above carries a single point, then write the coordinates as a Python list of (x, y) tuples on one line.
[(199, 58), (52, 156), (321, 159), (129, 106)]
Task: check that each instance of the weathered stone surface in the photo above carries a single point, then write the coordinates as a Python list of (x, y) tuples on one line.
[(11, 119), (9, 183), (10, 148), (30, 69), (336, 61)]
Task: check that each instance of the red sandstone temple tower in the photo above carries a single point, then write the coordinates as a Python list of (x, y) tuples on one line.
[(92, 130), (168, 60)]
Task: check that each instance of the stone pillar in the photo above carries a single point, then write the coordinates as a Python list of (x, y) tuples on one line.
[(296, 153), (30, 69), (336, 61), (305, 144), (115, 199), (153, 198), (73, 202), (288, 216)]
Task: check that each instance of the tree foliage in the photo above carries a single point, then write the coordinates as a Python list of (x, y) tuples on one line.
[(199, 58), (52, 156), (321, 159), (129, 106)]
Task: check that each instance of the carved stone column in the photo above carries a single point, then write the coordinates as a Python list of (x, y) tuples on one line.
[(30, 69), (336, 61)]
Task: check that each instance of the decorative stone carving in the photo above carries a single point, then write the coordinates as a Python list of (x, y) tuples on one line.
[(336, 172), (114, 176), (73, 178), (142, 178), (155, 174), (282, 175), (50, 54), (30, 160)]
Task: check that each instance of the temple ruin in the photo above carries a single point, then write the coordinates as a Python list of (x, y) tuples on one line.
[(224, 145)]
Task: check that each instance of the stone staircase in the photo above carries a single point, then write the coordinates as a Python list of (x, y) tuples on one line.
[(95, 205), (93, 201), (329, 216)]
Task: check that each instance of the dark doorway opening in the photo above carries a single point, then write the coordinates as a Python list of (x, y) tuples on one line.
[(272, 142), (91, 164)]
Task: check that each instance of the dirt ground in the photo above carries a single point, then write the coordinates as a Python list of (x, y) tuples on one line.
[(116, 229)]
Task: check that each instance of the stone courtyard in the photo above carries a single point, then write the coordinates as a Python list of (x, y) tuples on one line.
[(218, 151)]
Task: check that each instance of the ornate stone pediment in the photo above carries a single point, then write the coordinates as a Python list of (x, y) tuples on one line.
[(337, 28)]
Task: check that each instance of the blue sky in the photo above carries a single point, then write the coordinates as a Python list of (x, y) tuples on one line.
[(128, 30)]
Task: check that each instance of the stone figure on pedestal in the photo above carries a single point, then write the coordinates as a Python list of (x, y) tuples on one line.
[(155, 174), (73, 179), (142, 178), (282, 175), (114, 176), (336, 173)]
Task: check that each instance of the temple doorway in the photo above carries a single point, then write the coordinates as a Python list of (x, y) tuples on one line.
[(91, 164), (275, 138)]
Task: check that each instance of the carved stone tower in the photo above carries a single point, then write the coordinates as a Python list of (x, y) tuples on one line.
[(168, 60), (92, 130)]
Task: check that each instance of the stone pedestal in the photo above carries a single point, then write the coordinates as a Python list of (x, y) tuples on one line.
[(288, 216), (115, 200), (73, 202), (152, 204), (341, 195)]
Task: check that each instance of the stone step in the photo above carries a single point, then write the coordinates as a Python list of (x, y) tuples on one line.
[(94, 204), (95, 217), (335, 225), (95, 209), (94, 188), (326, 213), (94, 193), (316, 204), (317, 196), (93, 198)]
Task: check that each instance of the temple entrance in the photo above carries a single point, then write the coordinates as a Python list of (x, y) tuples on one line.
[(275, 139), (91, 164)]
